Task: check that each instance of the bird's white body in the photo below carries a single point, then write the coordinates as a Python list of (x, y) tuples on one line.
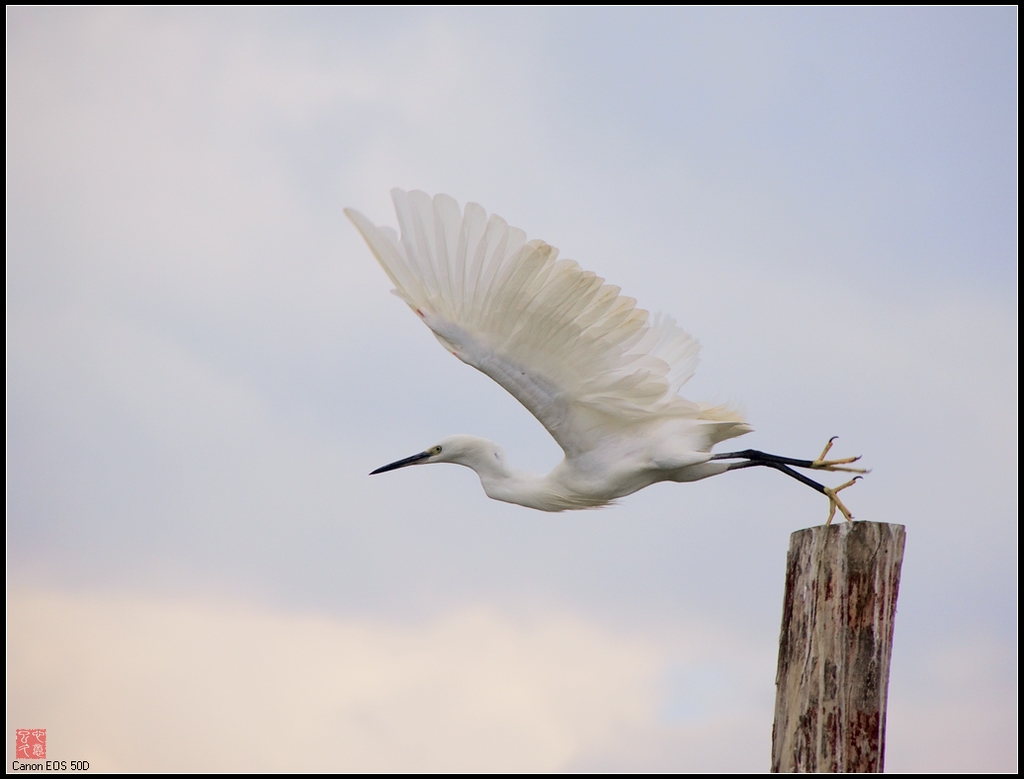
[(585, 481), (600, 374)]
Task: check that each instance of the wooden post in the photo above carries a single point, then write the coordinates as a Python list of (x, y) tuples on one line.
[(835, 646)]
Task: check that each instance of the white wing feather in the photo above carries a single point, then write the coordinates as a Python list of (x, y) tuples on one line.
[(580, 356)]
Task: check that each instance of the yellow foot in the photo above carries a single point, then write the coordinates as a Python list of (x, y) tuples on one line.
[(836, 465), (834, 502)]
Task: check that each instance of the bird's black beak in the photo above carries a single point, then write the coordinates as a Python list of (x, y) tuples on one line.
[(402, 463)]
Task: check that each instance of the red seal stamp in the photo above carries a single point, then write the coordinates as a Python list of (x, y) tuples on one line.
[(30, 743)]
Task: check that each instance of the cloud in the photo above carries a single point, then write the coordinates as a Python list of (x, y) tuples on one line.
[(143, 685), (954, 707), (148, 684)]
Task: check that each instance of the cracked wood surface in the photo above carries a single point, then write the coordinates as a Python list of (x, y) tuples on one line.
[(835, 647)]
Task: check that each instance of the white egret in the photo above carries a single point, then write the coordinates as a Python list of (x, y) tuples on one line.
[(600, 374)]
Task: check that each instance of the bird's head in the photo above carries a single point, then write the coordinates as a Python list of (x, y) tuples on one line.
[(477, 453)]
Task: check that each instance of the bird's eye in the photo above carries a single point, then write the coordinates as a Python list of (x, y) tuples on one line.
[(436, 450)]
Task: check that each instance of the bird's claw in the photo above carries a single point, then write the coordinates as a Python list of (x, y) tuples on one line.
[(821, 464), (834, 502), (832, 492)]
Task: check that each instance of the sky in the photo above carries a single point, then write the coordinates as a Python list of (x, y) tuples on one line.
[(204, 363)]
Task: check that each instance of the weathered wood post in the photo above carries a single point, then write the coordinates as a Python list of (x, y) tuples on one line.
[(835, 646)]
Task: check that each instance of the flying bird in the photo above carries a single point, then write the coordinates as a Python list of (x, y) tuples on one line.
[(602, 375)]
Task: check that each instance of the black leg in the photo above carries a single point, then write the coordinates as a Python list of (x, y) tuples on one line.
[(779, 467), (751, 457), (762, 458), (771, 460)]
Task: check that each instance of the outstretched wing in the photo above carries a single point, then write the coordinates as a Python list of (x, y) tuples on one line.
[(580, 356)]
